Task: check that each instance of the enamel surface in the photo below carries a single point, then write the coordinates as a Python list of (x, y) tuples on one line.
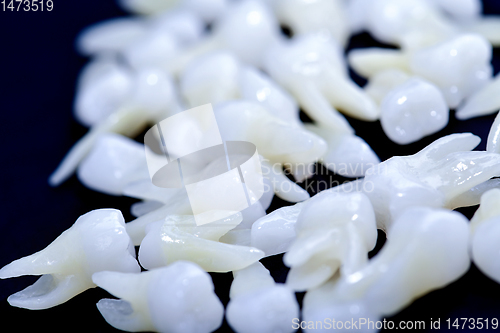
[(177, 298), (179, 238), (258, 304), (433, 177), (347, 155), (485, 229), (383, 82), (459, 66), (334, 230), (426, 249), (483, 102), (97, 241), (313, 70), (413, 110)]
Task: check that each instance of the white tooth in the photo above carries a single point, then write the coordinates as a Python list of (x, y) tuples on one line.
[(144, 207), (97, 241), (434, 177), (426, 249), (367, 62), (313, 69), (186, 26), (454, 68), (487, 26), (301, 172), (208, 10), (485, 230), (237, 237), (357, 13), (111, 35), (412, 111), (383, 82), (211, 79), (276, 139), (258, 304), (411, 24), (283, 187), (178, 298), (274, 232), (347, 155), (483, 102), (114, 162), (179, 238), (103, 87), (325, 16), (473, 196), (258, 87), (492, 144), (333, 230), (247, 29), (462, 10), (145, 190), (147, 6)]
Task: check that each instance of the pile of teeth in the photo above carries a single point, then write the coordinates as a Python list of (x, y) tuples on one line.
[(148, 67)]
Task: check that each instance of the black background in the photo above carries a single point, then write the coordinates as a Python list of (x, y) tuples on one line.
[(38, 71)]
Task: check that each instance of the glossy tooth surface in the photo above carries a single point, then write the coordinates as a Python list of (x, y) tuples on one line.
[(178, 298), (369, 61), (459, 66), (347, 155), (96, 242), (383, 82), (412, 111), (282, 186), (258, 304), (313, 70), (303, 17), (426, 249), (179, 238), (483, 102), (485, 230), (334, 230), (492, 144), (434, 177)]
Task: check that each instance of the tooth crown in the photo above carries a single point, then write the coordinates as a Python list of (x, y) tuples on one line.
[(332, 229), (177, 298), (97, 241)]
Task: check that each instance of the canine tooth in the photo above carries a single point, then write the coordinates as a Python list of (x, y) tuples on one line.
[(434, 177), (303, 17), (383, 82), (179, 238), (258, 304), (313, 69), (97, 241), (177, 298), (369, 61), (111, 35), (347, 155), (426, 249), (485, 228), (483, 102), (333, 229), (459, 66), (412, 111)]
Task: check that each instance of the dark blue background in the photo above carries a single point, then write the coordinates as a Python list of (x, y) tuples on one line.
[(38, 70)]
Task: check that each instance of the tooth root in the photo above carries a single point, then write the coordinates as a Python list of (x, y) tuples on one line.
[(119, 314), (473, 196), (283, 187), (126, 121), (137, 228), (121, 285), (351, 99), (166, 243), (449, 144), (493, 144), (487, 26), (319, 108), (483, 102), (48, 291), (368, 62)]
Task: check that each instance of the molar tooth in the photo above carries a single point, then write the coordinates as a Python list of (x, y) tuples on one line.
[(412, 111), (332, 229), (396, 275), (258, 304), (97, 241), (483, 102), (178, 238), (177, 298), (452, 66), (368, 62)]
